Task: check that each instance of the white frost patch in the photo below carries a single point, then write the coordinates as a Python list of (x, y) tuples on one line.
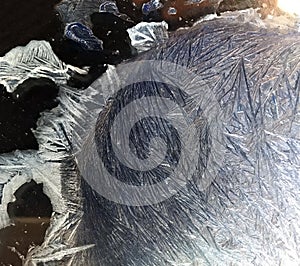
[(20, 168), (35, 60), (44, 166), (147, 35)]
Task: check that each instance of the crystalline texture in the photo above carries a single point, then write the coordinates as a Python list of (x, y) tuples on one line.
[(250, 213), (150, 6), (35, 60), (84, 36), (78, 10), (109, 6), (147, 35)]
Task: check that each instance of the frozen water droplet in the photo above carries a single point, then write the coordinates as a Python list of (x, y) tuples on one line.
[(150, 6), (84, 36), (109, 7), (172, 11)]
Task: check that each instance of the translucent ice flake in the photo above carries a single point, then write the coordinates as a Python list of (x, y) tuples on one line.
[(109, 6), (172, 11), (146, 35), (84, 36), (151, 6)]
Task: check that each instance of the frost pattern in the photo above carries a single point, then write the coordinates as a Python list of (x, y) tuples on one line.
[(34, 60), (78, 10), (52, 166), (249, 215), (147, 35)]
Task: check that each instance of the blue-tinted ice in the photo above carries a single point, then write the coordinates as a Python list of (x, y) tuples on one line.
[(84, 36)]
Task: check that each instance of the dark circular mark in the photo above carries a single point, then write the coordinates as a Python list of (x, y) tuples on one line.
[(141, 134)]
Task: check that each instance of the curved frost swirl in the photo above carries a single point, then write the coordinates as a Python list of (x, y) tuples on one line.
[(144, 147), (150, 137)]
